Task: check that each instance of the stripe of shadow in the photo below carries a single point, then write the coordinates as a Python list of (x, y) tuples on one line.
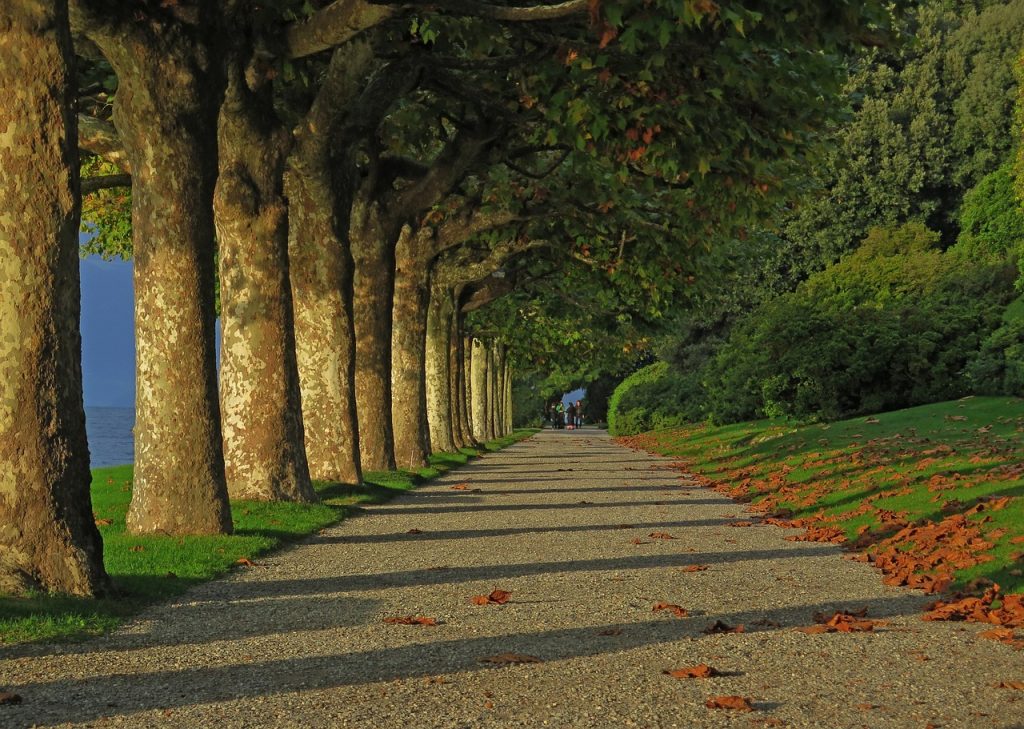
[(431, 535), (389, 509), (443, 575), (86, 698)]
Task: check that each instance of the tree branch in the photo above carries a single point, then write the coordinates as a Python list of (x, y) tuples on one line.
[(105, 182), (339, 22), (525, 13), (101, 139)]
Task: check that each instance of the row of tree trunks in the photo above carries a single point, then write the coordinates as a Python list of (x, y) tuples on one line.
[(48, 539)]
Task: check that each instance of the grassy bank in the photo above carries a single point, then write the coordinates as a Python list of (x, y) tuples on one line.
[(932, 494), (147, 569)]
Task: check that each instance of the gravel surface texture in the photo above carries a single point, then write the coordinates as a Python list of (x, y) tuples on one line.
[(299, 640)]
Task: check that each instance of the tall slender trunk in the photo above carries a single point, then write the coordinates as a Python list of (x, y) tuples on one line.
[(466, 395), (170, 88), (499, 390), (490, 389), (373, 294), (454, 342), (320, 269), (508, 397), (478, 390), (264, 450), (408, 356), (48, 539), (438, 375)]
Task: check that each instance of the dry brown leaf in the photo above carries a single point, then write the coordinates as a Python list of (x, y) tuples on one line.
[(740, 524), (411, 620), (137, 548), (510, 659), (719, 627), (245, 562), (701, 670), (660, 535), (610, 631), (1018, 685), (736, 703), (497, 597), (679, 612), (415, 531), (103, 522), (460, 487), (638, 540), (694, 568), (6, 697)]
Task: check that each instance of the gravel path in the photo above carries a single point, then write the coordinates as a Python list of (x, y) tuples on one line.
[(299, 639)]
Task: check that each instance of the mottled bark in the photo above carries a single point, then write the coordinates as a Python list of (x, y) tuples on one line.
[(489, 387), (438, 369), (466, 396), (48, 539), (320, 264), (478, 389), (261, 409), (499, 390), (454, 342), (508, 397), (408, 356), (373, 283), (321, 278), (170, 88)]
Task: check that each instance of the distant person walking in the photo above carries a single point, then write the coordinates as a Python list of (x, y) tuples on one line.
[(570, 414), (559, 415), (578, 409)]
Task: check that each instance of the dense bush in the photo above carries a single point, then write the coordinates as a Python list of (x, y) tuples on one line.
[(896, 323), (998, 369), (650, 398)]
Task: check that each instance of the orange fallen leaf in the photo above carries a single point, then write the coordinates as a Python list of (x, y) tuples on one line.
[(245, 562), (740, 524), (497, 597), (736, 703), (415, 531), (719, 627), (701, 670), (660, 535), (411, 620), (460, 487), (510, 659), (679, 612), (694, 568), (638, 540), (1018, 685), (103, 522)]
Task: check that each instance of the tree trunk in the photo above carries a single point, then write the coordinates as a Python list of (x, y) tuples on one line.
[(264, 451), (454, 342), (438, 375), (373, 293), (490, 389), (478, 390), (499, 390), (48, 539), (508, 397), (408, 356), (170, 88), (466, 395)]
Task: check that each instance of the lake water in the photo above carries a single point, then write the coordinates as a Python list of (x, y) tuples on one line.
[(110, 436)]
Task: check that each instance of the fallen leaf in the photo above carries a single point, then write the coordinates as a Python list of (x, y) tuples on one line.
[(137, 548), (610, 631), (719, 627), (245, 562), (6, 697), (638, 540), (497, 597), (740, 524), (1018, 685), (737, 703), (679, 612), (415, 531), (701, 670), (660, 535), (103, 522), (694, 568), (460, 487), (510, 659), (411, 620)]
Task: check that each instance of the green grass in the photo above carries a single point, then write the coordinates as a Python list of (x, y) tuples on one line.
[(973, 448), (153, 568)]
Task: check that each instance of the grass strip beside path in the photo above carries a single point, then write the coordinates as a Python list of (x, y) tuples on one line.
[(147, 569), (932, 494)]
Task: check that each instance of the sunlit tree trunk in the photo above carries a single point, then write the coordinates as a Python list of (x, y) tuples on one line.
[(170, 88), (372, 299), (490, 389), (408, 356), (478, 389), (466, 396), (48, 540), (264, 450), (438, 375)]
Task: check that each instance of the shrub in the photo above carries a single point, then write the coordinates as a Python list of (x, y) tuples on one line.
[(650, 398), (998, 368)]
